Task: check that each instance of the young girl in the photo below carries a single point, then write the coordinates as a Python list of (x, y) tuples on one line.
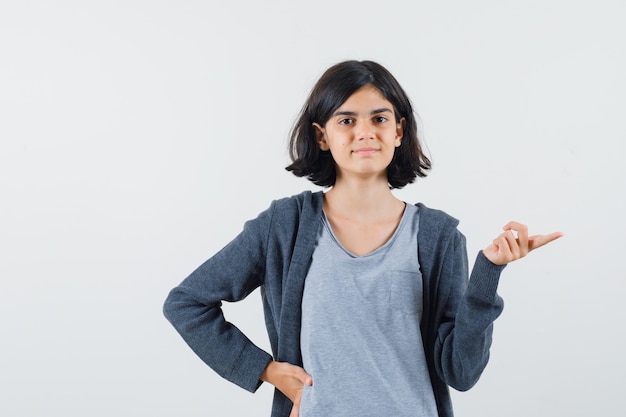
[(367, 301)]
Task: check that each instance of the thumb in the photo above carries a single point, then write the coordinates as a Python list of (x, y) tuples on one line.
[(295, 411), (304, 377)]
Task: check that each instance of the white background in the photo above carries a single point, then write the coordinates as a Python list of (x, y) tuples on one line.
[(138, 136)]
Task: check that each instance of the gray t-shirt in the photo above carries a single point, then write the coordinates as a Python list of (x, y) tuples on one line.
[(360, 335)]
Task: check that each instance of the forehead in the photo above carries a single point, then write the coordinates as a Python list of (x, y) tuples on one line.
[(365, 99), (367, 93)]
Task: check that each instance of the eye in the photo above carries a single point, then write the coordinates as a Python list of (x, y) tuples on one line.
[(346, 122), (380, 119)]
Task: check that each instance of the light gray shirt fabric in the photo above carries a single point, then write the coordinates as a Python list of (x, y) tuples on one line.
[(360, 334)]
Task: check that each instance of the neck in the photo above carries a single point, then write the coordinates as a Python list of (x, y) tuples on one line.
[(364, 199)]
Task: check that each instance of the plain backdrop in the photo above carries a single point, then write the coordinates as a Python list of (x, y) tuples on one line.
[(138, 136)]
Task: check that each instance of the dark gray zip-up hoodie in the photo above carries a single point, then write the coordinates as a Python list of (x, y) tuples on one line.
[(274, 252)]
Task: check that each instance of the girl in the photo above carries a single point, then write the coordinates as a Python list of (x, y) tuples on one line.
[(367, 301)]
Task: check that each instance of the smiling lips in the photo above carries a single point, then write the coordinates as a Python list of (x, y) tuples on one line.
[(365, 151)]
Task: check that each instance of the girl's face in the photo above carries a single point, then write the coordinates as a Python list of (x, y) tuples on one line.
[(361, 135)]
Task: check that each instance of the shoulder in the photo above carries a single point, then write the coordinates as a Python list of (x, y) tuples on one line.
[(437, 230), (438, 237), (298, 202), (294, 211), (433, 219)]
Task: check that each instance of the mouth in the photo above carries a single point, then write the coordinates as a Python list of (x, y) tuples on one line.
[(365, 151)]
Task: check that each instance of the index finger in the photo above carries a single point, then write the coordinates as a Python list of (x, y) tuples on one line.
[(537, 241)]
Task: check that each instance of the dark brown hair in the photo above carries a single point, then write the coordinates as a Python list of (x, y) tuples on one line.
[(335, 86)]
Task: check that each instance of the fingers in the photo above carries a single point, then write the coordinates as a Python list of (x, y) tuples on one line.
[(514, 243), (499, 252), (287, 378), (298, 373), (302, 376), (537, 241), (522, 236)]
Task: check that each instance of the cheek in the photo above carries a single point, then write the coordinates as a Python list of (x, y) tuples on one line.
[(339, 142)]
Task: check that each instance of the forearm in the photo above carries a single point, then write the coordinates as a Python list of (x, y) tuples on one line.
[(218, 343), (464, 341)]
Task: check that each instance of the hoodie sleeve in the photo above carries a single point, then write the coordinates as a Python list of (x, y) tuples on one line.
[(194, 306), (464, 334)]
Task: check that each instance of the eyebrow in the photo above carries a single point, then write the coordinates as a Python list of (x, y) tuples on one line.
[(351, 113)]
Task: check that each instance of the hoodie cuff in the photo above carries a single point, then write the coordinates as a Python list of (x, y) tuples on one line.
[(484, 278)]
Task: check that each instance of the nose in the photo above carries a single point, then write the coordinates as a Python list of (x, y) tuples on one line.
[(365, 131)]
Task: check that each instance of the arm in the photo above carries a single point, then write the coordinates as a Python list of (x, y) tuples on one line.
[(464, 334), (194, 306)]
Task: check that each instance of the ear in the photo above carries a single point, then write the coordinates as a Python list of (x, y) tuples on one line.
[(400, 131), (320, 136)]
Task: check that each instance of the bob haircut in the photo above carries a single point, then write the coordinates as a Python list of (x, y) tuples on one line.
[(335, 86)]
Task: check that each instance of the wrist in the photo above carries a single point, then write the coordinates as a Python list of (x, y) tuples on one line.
[(268, 372)]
